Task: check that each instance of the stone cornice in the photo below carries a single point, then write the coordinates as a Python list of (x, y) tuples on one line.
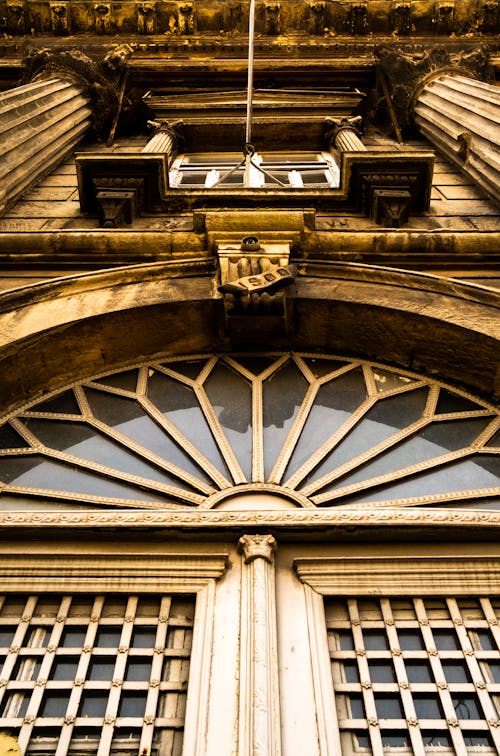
[(412, 520)]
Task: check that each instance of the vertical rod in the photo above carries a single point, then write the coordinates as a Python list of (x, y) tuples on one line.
[(251, 37)]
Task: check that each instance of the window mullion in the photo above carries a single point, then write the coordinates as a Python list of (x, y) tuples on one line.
[(475, 671), (402, 679), (155, 677), (364, 676), (118, 675), (257, 432), (48, 660), (442, 686), (81, 675), (16, 644), (491, 619)]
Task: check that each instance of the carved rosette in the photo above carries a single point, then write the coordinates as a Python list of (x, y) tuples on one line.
[(259, 710)]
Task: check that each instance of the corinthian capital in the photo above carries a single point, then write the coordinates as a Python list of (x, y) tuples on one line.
[(257, 547)]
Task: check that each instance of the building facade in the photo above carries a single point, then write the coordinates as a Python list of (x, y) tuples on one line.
[(249, 378)]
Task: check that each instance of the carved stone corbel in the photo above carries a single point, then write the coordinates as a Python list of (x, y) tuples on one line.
[(259, 719), (185, 18), (60, 18), (272, 18), (256, 285), (146, 18)]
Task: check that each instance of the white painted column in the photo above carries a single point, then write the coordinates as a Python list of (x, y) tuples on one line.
[(461, 117), (40, 123), (259, 717)]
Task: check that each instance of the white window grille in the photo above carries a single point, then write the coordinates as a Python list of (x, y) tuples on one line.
[(100, 674)]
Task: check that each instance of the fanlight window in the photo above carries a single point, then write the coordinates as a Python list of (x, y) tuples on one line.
[(226, 169), (176, 433)]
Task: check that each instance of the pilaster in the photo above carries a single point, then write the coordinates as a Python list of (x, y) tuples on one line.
[(259, 703)]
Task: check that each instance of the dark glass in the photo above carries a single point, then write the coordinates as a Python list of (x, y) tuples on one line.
[(466, 706), (455, 671), (356, 707), (363, 740), (132, 704), (126, 380), (386, 380), (351, 672), (450, 402), (138, 669), (427, 706), (73, 638), (410, 640), (446, 640), (27, 668), (54, 704), (93, 703), (485, 639), (436, 739), (494, 668), (108, 637), (335, 402), (388, 707), (63, 404), (10, 438), (188, 368), (346, 641), (375, 640), (231, 397), (478, 739), (283, 394), (382, 672), (143, 637), (395, 741), (64, 668), (6, 635), (255, 364), (418, 671), (179, 403), (101, 668), (320, 366), (494, 440)]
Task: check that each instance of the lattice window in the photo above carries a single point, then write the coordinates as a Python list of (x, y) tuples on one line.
[(174, 434), (416, 676), (95, 674)]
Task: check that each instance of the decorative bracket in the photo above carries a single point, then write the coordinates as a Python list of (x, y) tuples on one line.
[(256, 283)]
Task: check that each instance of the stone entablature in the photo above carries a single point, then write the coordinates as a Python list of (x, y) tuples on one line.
[(312, 17)]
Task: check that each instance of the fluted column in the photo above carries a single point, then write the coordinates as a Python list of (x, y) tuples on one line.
[(461, 117), (259, 701), (40, 123), (165, 139), (343, 134)]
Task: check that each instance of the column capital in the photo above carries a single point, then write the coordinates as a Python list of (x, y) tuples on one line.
[(407, 72), (257, 547), (100, 80)]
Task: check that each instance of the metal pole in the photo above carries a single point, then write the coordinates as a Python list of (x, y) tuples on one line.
[(251, 37)]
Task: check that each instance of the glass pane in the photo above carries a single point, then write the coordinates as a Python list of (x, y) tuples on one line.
[(255, 364), (350, 672), (108, 637), (63, 668), (73, 638), (101, 668), (321, 366), (283, 394), (82, 441), (54, 704), (64, 404), (180, 405), (450, 402), (231, 398), (36, 472), (335, 402), (382, 672), (418, 671), (427, 706), (93, 703), (126, 380), (143, 637), (132, 704), (455, 671), (388, 707), (410, 640), (375, 640), (138, 669), (446, 640), (385, 380), (432, 441), (10, 438), (466, 706)]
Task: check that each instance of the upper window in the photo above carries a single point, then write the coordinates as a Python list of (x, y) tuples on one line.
[(270, 169), (336, 432)]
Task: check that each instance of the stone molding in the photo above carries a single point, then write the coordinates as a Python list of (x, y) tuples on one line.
[(417, 520)]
